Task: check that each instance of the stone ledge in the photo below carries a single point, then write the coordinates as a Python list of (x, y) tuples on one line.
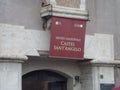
[(13, 58), (64, 12), (110, 63), (3, 25)]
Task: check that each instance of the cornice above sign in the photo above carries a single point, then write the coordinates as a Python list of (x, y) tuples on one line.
[(60, 11)]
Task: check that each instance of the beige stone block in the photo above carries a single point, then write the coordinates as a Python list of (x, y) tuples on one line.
[(69, 3)]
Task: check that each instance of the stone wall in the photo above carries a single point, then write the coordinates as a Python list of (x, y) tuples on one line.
[(86, 77), (21, 12), (69, 3), (16, 40), (105, 18)]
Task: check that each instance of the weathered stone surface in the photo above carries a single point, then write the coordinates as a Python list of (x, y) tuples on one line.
[(69, 3), (20, 41), (10, 76)]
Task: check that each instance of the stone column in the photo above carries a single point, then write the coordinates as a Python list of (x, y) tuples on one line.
[(10, 72), (83, 5)]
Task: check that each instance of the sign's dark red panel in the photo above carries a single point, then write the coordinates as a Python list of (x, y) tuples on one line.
[(67, 38), (116, 88)]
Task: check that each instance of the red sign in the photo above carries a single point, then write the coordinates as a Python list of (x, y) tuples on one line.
[(116, 88), (67, 38)]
